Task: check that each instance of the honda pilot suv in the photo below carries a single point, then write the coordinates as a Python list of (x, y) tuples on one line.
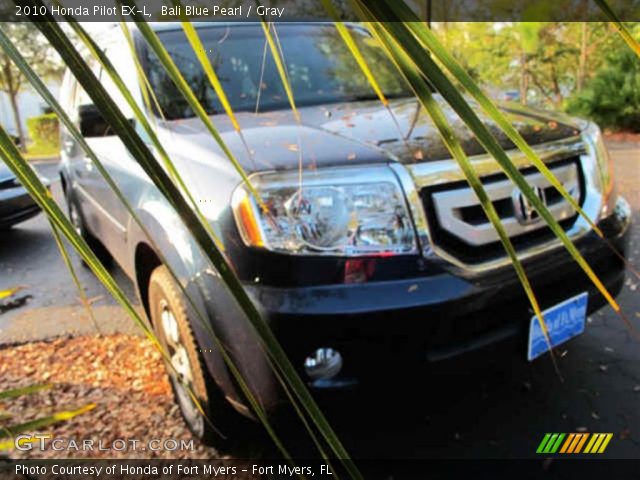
[(373, 255)]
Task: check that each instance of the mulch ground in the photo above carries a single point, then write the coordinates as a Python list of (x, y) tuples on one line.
[(123, 375)]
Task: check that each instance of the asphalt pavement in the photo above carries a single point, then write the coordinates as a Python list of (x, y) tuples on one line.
[(29, 257), (499, 413)]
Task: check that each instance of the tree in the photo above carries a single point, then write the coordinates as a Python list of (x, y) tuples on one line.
[(39, 55), (612, 96)]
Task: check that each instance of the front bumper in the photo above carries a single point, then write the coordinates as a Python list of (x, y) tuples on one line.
[(16, 205), (399, 326)]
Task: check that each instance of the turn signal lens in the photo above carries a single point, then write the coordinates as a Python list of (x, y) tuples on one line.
[(244, 211)]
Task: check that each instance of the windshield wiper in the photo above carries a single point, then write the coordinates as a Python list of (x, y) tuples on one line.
[(372, 96)]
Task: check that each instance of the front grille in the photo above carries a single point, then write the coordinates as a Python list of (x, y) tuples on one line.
[(459, 226)]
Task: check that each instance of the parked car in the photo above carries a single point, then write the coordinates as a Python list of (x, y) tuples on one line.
[(16, 205), (380, 262), (511, 96)]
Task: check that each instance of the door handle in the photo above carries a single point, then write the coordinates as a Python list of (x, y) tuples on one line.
[(88, 163), (69, 147)]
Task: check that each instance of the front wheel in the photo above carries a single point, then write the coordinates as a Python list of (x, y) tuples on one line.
[(208, 415)]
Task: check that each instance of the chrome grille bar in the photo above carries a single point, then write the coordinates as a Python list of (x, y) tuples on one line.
[(418, 178), (450, 206)]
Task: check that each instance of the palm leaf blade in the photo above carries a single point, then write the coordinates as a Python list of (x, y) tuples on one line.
[(17, 392), (44, 421), (424, 95), (429, 69), (135, 145)]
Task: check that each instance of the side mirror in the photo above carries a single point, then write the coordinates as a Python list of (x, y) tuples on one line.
[(92, 123)]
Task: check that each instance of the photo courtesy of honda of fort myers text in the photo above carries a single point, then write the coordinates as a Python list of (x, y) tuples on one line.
[(330, 239)]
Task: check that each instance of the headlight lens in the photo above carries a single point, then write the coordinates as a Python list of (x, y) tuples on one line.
[(339, 211)]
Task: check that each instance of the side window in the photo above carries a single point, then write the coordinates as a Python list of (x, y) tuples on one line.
[(119, 55), (90, 120), (68, 103)]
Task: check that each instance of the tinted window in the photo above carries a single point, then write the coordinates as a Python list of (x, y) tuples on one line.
[(320, 68)]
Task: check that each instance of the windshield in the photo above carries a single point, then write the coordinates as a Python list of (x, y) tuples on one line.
[(320, 68)]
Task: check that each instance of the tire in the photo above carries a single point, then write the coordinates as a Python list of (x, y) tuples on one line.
[(170, 319), (77, 220)]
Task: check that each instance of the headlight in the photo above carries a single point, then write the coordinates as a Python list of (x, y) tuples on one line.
[(338, 211), (604, 182)]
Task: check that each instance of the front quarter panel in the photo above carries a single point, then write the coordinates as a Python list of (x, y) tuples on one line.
[(214, 310)]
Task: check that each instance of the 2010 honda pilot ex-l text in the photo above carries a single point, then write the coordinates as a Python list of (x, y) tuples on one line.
[(374, 254)]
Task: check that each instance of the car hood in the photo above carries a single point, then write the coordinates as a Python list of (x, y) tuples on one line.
[(351, 133)]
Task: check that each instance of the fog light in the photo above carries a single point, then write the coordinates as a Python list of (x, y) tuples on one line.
[(323, 364)]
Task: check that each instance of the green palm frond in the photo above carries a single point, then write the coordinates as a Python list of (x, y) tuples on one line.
[(176, 76), (407, 42), (97, 52), (9, 292), (17, 392), (430, 41), (72, 272), (73, 131), (135, 145), (39, 423), (429, 69), (424, 95), (12, 431), (619, 26), (41, 195)]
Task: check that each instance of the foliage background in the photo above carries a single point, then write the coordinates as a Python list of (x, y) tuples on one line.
[(583, 68), (612, 97), (39, 55), (44, 132)]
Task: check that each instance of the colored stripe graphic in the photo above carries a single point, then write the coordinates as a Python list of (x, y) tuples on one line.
[(597, 443), (581, 443), (593, 439), (606, 441), (576, 446), (567, 443), (543, 443), (556, 445), (550, 443)]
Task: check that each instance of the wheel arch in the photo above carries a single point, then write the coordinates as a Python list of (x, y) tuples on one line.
[(146, 260), (63, 184), (208, 294)]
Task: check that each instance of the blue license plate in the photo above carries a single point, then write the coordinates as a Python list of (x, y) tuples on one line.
[(564, 321)]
